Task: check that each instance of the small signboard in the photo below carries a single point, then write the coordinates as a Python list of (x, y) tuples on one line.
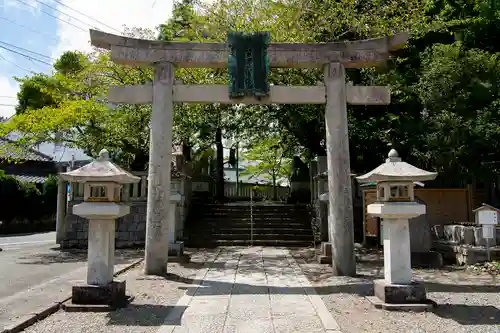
[(488, 231), (487, 217)]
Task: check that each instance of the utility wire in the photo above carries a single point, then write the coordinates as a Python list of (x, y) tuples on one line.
[(7, 96), (87, 16), (49, 14), (24, 55), (68, 15), (13, 63), (29, 28), (8, 105), (26, 50)]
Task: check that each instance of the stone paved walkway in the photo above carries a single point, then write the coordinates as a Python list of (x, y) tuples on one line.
[(251, 290)]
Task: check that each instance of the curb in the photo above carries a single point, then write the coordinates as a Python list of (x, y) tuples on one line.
[(54, 308)]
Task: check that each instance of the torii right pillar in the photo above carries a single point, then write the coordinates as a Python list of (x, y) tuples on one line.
[(340, 217)]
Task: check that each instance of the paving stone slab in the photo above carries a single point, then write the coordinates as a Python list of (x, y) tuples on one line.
[(263, 291)]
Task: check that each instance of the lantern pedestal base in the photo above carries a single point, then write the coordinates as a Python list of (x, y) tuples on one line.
[(110, 296), (176, 249), (403, 297), (326, 253)]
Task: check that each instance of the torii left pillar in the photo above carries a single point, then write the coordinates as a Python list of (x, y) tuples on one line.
[(160, 163)]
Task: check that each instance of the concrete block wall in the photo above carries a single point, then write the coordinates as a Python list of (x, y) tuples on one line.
[(130, 229)]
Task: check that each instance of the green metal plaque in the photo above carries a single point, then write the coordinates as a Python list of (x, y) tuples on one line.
[(248, 64)]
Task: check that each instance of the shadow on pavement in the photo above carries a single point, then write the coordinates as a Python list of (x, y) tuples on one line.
[(55, 255), (145, 315), (460, 288), (469, 314)]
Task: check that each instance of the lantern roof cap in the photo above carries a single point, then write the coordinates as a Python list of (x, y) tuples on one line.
[(100, 170), (394, 169)]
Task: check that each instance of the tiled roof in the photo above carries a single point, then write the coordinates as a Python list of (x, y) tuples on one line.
[(7, 151), (30, 178)]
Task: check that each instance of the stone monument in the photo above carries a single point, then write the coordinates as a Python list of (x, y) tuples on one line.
[(396, 205), (101, 205), (175, 247)]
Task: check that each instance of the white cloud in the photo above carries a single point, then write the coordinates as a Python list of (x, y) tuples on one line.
[(30, 5), (7, 88), (114, 13)]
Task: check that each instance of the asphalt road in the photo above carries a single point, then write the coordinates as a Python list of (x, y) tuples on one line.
[(30, 260), (27, 241)]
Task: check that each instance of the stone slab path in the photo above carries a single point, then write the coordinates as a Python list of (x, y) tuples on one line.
[(251, 290)]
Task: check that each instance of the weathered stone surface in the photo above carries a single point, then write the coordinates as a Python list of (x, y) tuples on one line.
[(130, 229), (326, 249), (113, 294), (437, 232), (420, 234), (462, 234), (360, 53), (398, 293)]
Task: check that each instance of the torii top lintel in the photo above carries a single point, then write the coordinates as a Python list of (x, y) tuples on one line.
[(352, 54)]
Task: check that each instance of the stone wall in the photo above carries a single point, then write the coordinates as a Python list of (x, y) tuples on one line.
[(462, 235), (464, 244), (130, 229)]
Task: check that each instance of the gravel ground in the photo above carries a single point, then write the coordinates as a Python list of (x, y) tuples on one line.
[(154, 298), (468, 301)]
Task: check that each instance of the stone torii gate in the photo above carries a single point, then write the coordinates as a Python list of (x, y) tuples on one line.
[(335, 93)]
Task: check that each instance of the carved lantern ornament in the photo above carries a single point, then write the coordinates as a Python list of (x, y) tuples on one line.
[(103, 180), (395, 179)]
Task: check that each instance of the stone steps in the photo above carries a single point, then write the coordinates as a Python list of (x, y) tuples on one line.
[(255, 242), (231, 224), (261, 230), (262, 236)]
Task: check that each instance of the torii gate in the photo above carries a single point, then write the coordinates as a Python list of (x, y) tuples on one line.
[(335, 93)]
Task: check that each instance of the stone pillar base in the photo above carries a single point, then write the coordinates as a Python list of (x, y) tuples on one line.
[(112, 295), (405, 297), (176, 248), (326, 253)]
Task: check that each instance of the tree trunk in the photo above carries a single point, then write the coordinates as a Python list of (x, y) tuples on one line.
[(275, 189), (219, 178)]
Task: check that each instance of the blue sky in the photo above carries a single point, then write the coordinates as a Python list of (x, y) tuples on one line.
[(48, 34)]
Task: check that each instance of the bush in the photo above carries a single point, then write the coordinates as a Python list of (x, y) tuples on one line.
[(26, 201)]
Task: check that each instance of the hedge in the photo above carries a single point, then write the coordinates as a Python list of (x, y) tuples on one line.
[(27, 207)]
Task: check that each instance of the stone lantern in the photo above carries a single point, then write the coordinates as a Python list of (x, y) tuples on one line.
[(396, 205), (103, 181)]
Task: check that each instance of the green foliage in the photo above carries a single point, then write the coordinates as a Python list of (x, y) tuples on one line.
[(32, 96), (71, 105), (272, 161), (460, 91), (70, 62), (24, 201)]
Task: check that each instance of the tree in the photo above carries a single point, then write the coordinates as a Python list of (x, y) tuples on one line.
[(71, 105), (31, 95), (272, 161)]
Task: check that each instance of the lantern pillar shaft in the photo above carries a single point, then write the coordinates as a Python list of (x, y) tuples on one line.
[(397, 256), (101, 251)]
